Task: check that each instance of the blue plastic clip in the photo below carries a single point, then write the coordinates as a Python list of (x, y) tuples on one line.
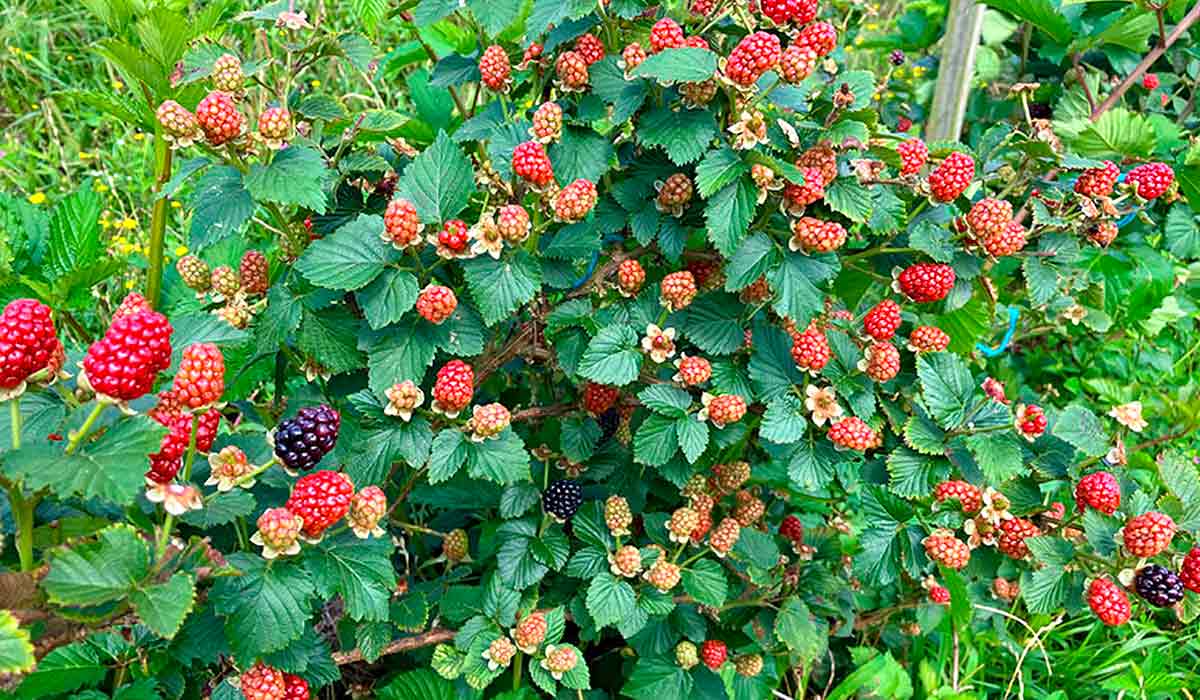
[(1013, 314), (591, 268)]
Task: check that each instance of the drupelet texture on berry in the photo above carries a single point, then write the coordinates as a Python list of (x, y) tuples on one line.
[(28, 341), (1158, 586), (301, 442), (1109, 602), (562, 498), (321, 499)]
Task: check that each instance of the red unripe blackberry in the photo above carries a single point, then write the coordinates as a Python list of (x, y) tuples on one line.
[(926, 282), (590, 48), (806, 11), (275, 126), (194, 272), (261, 682), (754, 55), (820, 37), (928, 339), (1098, 490), (913, 155), (698, 95), (1098, 182), (1013, 533), (402, 226), (321, 499), (779, 11), (495, 70), (1151, 180), (1008, 241), (796, 63), (792, 529), (572, 71), (530, 163), (944, 548), (575, 201), (903, 124), (810, 349), (530, 632), (881, 361), (632, 56), (547, 123), (454, 236), (713, 653), (1031, 421), (630, 277), (1189, 571), (994, 389), (227, 73), (666, 34), (200, 380), (532, 54), (301, 442), (1150, 81), (823, 158), (678, 290), (816, 236), (453, 388), (853, 433), (1148, 534), (296, 687), (968, 495), (28, 341), (696, 42), (124, 363), (989, 216), (883, 320), (132, 303), (254, 273), (951, 177), (1109, 602), (436, 303), (796, 197), (218, 116), (939, 594), (726, 409), (368, 508), (693, 370), (598, 398)]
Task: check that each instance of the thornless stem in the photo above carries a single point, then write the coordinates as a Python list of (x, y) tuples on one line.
[(22, 509), (85, 428)]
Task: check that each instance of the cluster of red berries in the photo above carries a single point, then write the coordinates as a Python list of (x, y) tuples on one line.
[(125, 362), (28, 343)]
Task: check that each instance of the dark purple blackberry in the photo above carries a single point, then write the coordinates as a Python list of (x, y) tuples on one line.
[(897, 58), (1040, 110), (1158, 585), (301, 442), (609, 421), (562, 499)]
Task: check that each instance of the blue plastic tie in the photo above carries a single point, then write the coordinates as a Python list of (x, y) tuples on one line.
[(591, 268), (1013, 314)]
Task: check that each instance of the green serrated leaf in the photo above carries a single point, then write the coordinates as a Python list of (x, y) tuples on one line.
[(349, 259), (295, 176), (499, 287), (162, 607), (439, 181)]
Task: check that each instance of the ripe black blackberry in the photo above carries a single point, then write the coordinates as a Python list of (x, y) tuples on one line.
[(1040, 110), (1158, 585), (897, 58), (609, 421), (562, 499), (301, 442)]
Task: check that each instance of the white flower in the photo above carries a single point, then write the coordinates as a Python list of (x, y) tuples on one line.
[(822, 402), (486, 237), (659, 343), (1130, 416)]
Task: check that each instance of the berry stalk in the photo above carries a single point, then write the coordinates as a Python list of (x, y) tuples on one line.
[(158, 223), (169, 522), (22, 509), (78, 435)]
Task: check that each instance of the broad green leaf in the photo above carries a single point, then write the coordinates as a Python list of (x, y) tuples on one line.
[(849, 198), (685, 136), (386, 300), (796, 628), (63, 670), (658, 678), (499, 287), (728, 214), (609, 599), (719, 168), (448, 455), (1040, 13), (1080, 427), (656, 441), (613, 357), (439, 181), (665, 399), (162, 607), (947, 387), (266, 607), (784, 422), (295, 176), (690, 65), (404, 353), (693, 437), (349, 259), (713, 325), (74, 232), (359, 570), (913, 475), (502, 460), (705, 582), (998, 455), (797, 296), (99, 572), (580, 153)]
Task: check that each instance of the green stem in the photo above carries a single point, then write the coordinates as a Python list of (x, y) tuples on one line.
[(516, 664), (876, 251), (244, 479), (84, 429), (169, 522), (158, 222), (22, 509)]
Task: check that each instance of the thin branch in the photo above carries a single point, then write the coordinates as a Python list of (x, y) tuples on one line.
[(1164, 43), (1081, 77), (433, 636)]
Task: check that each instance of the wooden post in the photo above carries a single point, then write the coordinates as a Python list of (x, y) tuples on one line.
[(964, 24)]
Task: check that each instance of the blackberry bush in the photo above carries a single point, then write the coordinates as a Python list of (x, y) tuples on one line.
[(669, 361)]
